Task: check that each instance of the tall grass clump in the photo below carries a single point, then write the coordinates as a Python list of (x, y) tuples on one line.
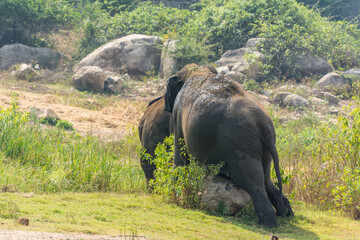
[(180, 185), (34, 158), (322, 159)]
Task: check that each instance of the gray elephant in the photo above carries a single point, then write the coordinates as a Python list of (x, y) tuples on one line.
[(220, 122), (154, 127)]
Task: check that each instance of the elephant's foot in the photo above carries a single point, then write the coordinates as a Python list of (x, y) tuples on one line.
[(289, 212), (268, 221)]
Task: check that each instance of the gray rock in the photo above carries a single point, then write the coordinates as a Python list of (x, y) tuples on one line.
[(112, 84), (254, 42), (168, 64), (303, 91), (352, 71), (135, 54), (18, 53), (279, 98), (332, 82), (236, 76), (317, 101), (43, 112), (219, 190), (308, 65), (223, 70), (90, 78), (231, 57), (332, 99), (26, 72), (295, 101)]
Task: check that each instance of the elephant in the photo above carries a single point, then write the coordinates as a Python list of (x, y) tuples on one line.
[(219, 121), (154, 127)]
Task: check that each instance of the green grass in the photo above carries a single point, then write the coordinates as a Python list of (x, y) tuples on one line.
[(115, 214), (52, 160)]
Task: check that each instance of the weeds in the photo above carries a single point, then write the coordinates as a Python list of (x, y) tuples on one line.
[(52, 160), (322, 160), (180, 185)]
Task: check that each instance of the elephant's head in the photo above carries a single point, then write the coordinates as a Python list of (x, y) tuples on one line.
[(175, 83)]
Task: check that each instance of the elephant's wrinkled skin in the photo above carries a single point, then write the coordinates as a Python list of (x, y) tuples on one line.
[(220, 121), (153, 128)]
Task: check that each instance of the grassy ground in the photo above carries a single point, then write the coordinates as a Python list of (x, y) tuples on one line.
[(144, 215)]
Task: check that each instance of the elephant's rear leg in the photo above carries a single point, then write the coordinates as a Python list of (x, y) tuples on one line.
[(247, 173), (278, 200)]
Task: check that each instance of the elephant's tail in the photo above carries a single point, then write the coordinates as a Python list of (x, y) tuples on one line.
[(275, 158)]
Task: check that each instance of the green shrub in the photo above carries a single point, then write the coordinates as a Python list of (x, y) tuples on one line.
[(180, 185), (22, 20), (63, 124)]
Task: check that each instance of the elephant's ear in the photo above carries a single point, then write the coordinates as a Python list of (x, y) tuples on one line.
[(172, 89)]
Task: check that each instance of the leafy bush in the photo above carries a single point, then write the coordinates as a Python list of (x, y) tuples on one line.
[(63, 124), (22, 20), (179, 185)]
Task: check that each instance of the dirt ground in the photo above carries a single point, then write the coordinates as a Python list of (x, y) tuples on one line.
[(110, 123)]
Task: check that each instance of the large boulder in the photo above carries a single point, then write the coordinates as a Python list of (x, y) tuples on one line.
[(90, 78), (222, 192), (18, 53), (168, 64), (135, 54), (307, 65), (26, 72), (332, 82)]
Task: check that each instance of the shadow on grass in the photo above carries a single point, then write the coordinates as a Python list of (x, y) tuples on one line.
[(288, 226)]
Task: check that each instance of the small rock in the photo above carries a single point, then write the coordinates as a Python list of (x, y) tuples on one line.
[(333, 83), (352, 71), (24, 221), (223, 70), (89, 78), (295, 101), (112, 84), (43, 112), (236, 76), (126, 77), (317, 101), (332, 99), (334, 110), (279, 97), (254, 42), (26, 72), (303, 91)]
